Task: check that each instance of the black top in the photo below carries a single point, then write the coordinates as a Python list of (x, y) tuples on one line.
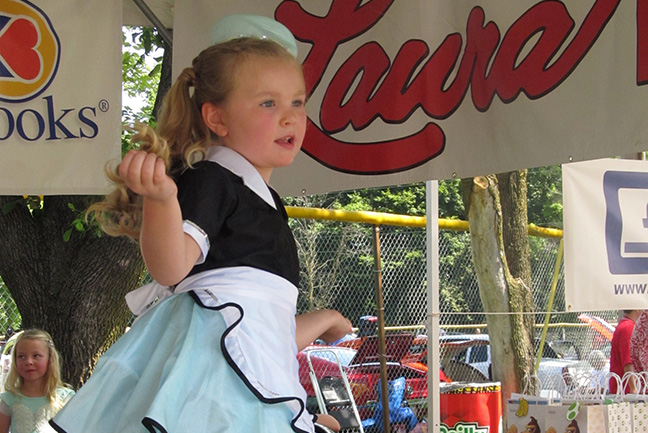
[(243, 230)]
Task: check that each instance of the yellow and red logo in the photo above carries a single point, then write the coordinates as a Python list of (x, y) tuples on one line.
[(29, 51)]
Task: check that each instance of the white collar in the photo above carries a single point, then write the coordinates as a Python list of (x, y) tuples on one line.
[(237, 164)]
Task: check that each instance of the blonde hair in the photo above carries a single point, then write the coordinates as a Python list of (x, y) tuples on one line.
[(14, 381), (182, 137)]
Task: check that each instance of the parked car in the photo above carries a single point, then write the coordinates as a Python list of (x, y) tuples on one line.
[(467, 357)]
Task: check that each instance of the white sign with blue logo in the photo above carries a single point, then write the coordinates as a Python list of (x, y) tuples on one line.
[(606, 234), (60, 95)]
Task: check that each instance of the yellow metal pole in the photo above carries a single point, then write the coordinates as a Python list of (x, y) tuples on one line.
[(384, 389), (552, 295), (387, 219)]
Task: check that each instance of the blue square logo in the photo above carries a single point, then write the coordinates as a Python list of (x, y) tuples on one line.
[(626, 221)]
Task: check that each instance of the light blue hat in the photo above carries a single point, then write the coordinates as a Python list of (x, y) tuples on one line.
[(242, 25)]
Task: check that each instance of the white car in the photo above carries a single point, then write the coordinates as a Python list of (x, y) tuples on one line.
[(559, 358)]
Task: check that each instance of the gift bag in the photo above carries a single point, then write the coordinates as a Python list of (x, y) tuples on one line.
[(640, 417), (619, 417), (526, 412), (574, 416), (638, 402), (618, 411)]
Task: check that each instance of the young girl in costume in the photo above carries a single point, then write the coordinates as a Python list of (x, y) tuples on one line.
[(214, 347), (34, 391)]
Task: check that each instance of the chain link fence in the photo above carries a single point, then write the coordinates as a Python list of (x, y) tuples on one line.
[(9, 314), (339, 272)]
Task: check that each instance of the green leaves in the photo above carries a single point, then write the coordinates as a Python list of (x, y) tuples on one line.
[(82, 225), (545, 196), (141, 70)]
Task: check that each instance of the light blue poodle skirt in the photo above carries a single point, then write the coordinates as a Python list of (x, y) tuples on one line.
[(189, 367)]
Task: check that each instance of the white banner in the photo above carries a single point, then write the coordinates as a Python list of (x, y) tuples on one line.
[(605, 218), (60, 95), (404, 91)]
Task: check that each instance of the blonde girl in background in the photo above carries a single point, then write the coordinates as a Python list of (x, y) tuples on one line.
[(34, 390), (214, 346)]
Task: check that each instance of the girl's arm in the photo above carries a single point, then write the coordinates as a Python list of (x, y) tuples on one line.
[(169, 253), (329, 325), (5, 423)]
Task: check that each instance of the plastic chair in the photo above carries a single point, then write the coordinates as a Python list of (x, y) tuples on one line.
[(397, 413), (334, 396)]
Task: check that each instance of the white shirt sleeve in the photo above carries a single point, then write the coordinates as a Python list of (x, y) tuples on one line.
[(201, 238)]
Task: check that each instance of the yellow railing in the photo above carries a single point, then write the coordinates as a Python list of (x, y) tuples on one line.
[(382, 218)]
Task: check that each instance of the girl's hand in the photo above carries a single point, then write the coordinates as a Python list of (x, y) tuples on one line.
[(145, 174)]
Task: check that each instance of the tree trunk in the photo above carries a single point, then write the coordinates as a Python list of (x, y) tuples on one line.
[(513, 198), (515, 223), (165, 78), (75, 289), (498, 289)]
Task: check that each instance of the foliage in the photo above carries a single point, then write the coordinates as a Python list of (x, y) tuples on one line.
[(450, 202), (80, 224), (404, 275), (141, 69), (327, 249), (408, 199), (544, 196), (457, 275), (402, 199)]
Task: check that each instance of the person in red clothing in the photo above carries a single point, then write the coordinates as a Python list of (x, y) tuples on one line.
[(639, 343), (620, 362)]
